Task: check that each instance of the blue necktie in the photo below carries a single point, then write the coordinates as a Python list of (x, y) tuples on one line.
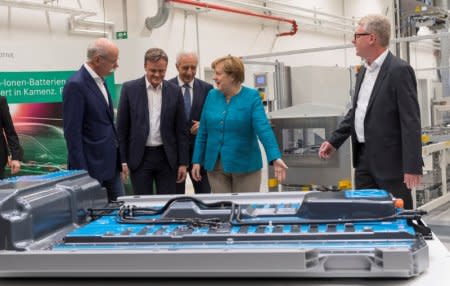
[(187, 100)]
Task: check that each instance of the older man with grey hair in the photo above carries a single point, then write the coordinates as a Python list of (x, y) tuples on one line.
[(88, 118), (384, 121), (194, 95)]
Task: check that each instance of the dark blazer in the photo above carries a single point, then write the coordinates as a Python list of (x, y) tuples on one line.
[(392, 128), (89, 130), (133, 123), (201, 89), (8, 131)]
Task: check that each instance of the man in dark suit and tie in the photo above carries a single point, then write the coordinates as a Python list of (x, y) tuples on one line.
[(384, 121), (194, 95), (88, 119), (152, 129)]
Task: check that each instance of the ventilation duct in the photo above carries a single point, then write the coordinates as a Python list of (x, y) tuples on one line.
[(160, 18)]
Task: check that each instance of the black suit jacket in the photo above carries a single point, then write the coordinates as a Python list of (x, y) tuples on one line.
[(8, 131), (392, 128), (133, 124), (201, 89), (89, 130)]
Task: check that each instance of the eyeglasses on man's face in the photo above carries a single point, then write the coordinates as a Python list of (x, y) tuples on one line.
[(358, 35)]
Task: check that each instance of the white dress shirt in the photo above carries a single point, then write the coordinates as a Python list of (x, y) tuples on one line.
[(99, 81), (365, 93), (191, 84), (154, 96)]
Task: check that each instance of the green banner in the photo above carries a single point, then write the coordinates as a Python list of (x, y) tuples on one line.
[(41, 86)]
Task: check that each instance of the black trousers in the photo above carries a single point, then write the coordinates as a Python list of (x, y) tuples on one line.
[(364, 179), (201, 187), (154, 168)]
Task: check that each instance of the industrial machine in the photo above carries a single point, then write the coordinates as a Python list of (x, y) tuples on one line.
[(320, 97), (59, 225), (433, 189), (300, 130)]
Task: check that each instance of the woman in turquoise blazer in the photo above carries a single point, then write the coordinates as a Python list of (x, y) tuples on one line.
[(232, 121)]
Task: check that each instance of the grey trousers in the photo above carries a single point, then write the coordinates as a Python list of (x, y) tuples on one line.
[(222, 182)]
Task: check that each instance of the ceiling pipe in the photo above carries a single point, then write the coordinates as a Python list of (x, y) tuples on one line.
[(160, 18), (286, 5), (125, 15), (45, 7), (278, 11), (294, 27)]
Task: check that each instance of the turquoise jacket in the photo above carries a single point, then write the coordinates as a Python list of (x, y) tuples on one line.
[(231, 130)]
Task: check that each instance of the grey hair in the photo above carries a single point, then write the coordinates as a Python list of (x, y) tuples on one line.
[(154, 55), (378, 25), (183, 54), (95, 51)]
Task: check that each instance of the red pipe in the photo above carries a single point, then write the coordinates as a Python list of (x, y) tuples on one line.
[(293, 31)]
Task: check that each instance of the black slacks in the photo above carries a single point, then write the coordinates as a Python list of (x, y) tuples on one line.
[(364, 179), (154, 168), (201, 187)]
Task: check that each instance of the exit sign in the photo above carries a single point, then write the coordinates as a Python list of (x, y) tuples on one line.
[(122, 35)]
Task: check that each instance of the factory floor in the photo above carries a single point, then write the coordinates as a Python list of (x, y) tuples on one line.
[(439, 222)]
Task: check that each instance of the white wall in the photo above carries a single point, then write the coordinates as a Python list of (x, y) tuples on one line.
[(223, 33), (40, 55), (357, 8), (220, 34)]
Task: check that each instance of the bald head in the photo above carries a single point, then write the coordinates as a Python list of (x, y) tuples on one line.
[(187, 66), (102, 56), (102, 47), (183, 55)]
